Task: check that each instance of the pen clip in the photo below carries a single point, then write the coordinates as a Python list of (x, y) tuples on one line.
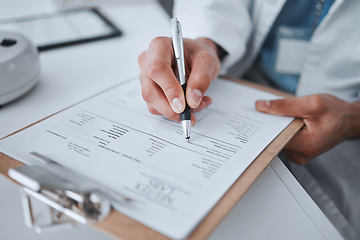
[(176, 36), (177, 41)]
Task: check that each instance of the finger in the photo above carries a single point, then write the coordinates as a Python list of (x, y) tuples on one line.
[(155, 98), (293, 106), (206, 101), (193, 119), (204, 68), (307, 142), (161, 58), (153, 111), (299, 140), (296, 157)]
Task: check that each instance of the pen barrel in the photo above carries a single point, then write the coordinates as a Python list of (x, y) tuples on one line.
[(186, 114)]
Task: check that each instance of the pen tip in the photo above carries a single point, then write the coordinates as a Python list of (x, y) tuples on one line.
[(188, 139)]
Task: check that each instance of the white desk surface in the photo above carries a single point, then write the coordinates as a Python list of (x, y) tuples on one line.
[(275, 207)]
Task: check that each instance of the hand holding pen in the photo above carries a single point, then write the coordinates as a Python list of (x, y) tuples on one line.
[(160, 87)]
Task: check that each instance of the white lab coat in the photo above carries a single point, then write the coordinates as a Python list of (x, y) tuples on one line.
[(331, 66), (240, 27)]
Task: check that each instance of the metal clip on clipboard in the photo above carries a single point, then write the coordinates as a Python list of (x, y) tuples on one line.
[(54, 197)]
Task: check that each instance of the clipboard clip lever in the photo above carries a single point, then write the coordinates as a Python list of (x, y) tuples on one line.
[(52, 201)]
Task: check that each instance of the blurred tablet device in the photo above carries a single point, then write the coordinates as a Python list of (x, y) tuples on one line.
[(63, 28)]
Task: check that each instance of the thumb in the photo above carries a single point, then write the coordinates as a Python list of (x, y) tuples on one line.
[(293, 106)]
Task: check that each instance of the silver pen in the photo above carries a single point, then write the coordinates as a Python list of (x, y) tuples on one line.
[(177, 42)]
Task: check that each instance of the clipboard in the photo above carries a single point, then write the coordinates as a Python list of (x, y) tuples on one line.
[(121, 226)]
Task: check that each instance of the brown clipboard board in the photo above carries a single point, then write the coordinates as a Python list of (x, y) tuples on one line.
[(121, 226)]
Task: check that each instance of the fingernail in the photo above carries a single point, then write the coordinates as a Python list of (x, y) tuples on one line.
[(194, 98), (177, 105), (262, 104)]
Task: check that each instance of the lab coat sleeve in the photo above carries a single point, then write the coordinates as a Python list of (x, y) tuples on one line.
[(226, 22)]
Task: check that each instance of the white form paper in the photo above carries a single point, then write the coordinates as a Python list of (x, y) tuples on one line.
[(113, 139)]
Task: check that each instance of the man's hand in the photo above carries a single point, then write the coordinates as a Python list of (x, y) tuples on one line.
[(328, 121), (160, 88)]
